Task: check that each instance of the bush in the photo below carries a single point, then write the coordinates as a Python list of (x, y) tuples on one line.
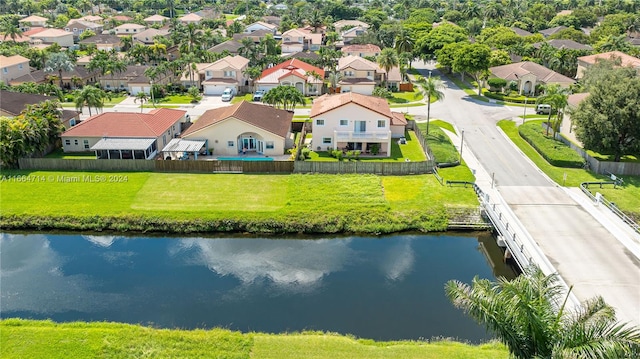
[(337, 154), (306, 153), (514, 99), (382, 92), (555, 152), (496, 83)]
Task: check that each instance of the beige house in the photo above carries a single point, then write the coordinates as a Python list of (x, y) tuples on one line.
[(528, 75), (76, 78), (191, 18), (129, 29), (243, 129), (213, 78), (345, 24), (120, 81), (103, 42), (51, 36), (359, 75), (361, 50), (351, 121), (349, 35), (93, 18), (125, 135), (77, 27), (298, 40), (156, 20), (147, 36), (32, 21), (294, 73), (585, 62), (13, 67), (261, 25)]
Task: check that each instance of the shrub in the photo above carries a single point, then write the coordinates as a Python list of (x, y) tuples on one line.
[(337, 154), (382, 92), (496, 83), (555, 152), (306, 153), (375, 148)]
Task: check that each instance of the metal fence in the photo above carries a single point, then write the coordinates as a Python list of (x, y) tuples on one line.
[(600, 199)]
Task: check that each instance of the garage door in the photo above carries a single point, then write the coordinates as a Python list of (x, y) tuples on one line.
[(215, 89), (135, 90)]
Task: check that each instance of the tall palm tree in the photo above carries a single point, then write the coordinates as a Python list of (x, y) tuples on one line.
[(430, 88), (388, 59), (334, 78), (90, 96), (556, 97), (142, 98), (59, 62), (529, 316), (10, 30)]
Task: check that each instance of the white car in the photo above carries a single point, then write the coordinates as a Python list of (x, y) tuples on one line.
[(227, 94)]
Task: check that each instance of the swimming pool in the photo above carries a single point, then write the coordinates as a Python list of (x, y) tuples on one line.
[(245, 159)]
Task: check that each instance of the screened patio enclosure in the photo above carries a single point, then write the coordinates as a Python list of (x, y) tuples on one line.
[(125, 148)]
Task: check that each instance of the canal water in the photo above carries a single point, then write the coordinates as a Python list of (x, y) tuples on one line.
[(384, 288)]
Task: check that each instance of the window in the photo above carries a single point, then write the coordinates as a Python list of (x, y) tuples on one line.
[(86, 144), (4, 70), (75, 142), (67, 142), (66, 29), (229, 143), (344, 122), (326, 140), (320, 122), (229, 74), (381, 123), (75, 29), (269, 145)]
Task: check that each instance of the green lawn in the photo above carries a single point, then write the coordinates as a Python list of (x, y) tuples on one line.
[(45, 339), (443, 150), (72, 155), (627, 198), (350, 203), (109, 103), (405, 97), (174, 100), (399, 153)]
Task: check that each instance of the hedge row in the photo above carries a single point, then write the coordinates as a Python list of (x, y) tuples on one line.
[(501, 97), (555, 152)]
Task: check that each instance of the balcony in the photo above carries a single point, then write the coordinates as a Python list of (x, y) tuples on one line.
[(353, 136)]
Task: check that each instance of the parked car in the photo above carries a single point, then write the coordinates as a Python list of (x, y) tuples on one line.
[(257, 96), (543, 109), (227, 94)]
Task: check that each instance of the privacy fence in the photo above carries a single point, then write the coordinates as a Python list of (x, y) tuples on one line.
[(605, 167)]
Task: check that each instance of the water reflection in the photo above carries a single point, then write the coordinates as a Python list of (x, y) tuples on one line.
[(398, 260)]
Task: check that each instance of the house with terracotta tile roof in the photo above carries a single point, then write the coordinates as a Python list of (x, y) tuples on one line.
[(12, 67), (191, 18), (623, 59), (214, 77), (129, 29), (362, 50), (244, 128), (352, 121), (359, 75), (528, 75), (125, 135), (13, 103), (32, 21), (50, 36), (295, 73), (156, 20)]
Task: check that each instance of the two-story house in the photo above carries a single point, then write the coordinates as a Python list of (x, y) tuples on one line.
[(349, 35), (77, 27), (261, 25), (147, 36), (191, 18), (298, 40), (584, 62), (156, 20), (32, 21), (351, 121), (103, 42), (359, 74), (346, 24), (129, 29), (47, 36), (217, 76), (362, 50), (308, 79), (13, 67)]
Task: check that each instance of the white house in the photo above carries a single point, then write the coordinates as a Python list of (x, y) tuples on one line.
[(129, 29), (215, 77), (351, 121), (359, 75), (261, 25)]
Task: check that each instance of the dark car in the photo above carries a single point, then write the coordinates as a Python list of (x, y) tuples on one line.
[(257, 96)]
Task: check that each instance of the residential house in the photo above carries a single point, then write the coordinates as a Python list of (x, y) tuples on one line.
[(528, 75), (244, 128), (521, 32), (584, 62), (13, 67), (51, 36), (156, 20), (129, 29), (359, 75), (191, 18), (273, 20), (214, 78), (32, 21), (552, 31), (93, 18), (349, 35), (298, 40), (121, 18), (293, 73), (231, 46), (103, 42), (306, 56), (255, 36), (345, 24), (125, 135), (78, 77), (362, 50), (119, 81), (84, 60), (564, 44), (280, 7), (351, 121), (77, 27), (261, 25), (147, 36), (13, 103)]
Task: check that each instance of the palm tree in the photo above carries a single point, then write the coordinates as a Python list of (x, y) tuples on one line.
[(58, 62), (529, 316), (430, 88), (142, 98), (10, 30), (334, 78), (557, 98), (253, 73), (90, 96), (388, 59), (404, 44)]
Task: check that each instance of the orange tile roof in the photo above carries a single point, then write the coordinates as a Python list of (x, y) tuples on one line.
[(626, 60), (12, 60), (126, 124), (326, 103), (292, 65), (398, 119)]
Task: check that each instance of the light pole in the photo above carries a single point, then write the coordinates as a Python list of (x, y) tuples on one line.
[(151, 91), (461, 144), (524, 114)]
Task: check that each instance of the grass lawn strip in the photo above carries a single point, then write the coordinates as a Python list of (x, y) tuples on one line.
[(45, 339)]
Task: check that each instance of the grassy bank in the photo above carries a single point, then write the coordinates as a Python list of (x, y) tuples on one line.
[(45, 339), (187, 203)]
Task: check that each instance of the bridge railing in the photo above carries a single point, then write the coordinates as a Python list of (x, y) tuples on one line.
[(612, 206)]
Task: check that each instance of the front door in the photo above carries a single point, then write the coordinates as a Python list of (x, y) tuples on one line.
[(248, 144), (260, 147)]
